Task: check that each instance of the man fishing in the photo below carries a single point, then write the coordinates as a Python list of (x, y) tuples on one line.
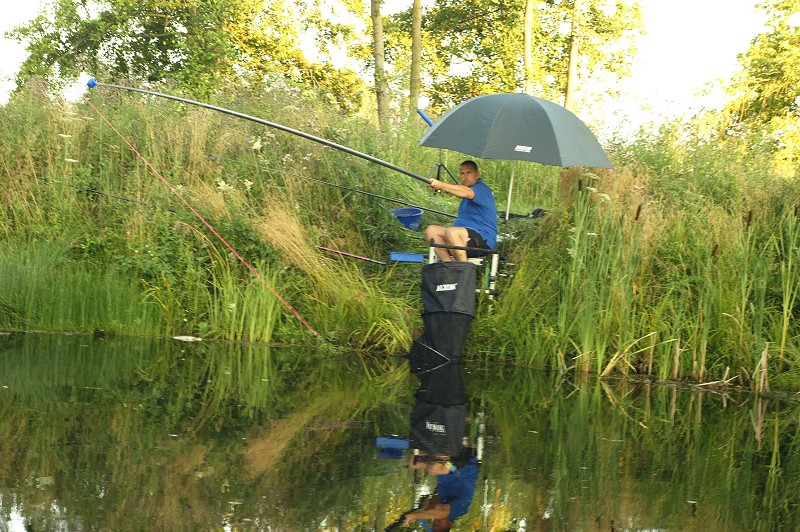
[(476, 223)]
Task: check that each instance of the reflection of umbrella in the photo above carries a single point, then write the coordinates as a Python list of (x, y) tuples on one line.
[(517, 127)]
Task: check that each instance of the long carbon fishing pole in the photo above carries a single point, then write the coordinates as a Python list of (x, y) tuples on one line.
[(401, 202), (349, 189), (92, 83)]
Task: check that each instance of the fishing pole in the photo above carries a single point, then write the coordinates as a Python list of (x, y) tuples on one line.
[(401, 202), (92, 83), (344, 254), (101, 193), (395, 200)]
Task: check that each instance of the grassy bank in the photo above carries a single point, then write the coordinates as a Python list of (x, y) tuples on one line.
[(681, 263)]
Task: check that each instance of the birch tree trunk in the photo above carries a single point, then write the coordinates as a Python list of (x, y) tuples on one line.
[(381, 85), (527, 45), (572, 69), (416, 55)]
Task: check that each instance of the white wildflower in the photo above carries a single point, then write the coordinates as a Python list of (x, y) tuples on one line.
[(591, 189), (287, 158), (248, 184), (257, 144), (223, 186), (604, 197)]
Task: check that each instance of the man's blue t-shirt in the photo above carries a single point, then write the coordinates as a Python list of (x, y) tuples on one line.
[(458, 488), (479, 213)]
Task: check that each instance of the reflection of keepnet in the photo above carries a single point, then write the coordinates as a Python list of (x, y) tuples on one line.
[(438, 434), (438, 420)]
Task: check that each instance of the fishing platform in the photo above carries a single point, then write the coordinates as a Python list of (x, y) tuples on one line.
[(488, 266)]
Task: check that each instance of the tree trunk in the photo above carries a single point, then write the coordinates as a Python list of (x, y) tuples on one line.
[(416, 55), (527, 52), (381, 86), (572, 69)]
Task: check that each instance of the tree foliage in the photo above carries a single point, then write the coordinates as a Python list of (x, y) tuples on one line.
[(468, 47), (768, 84), (196, 44), (764, 105), (476, 47)]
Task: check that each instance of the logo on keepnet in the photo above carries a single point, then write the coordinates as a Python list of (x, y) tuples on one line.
[(446, 287), (523, 149), (435, 427)]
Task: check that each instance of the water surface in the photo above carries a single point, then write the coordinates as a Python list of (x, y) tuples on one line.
[(155, 434)]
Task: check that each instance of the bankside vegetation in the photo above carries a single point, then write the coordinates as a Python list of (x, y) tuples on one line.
[(680, 263)]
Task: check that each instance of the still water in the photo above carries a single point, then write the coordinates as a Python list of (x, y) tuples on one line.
[(157, 434)]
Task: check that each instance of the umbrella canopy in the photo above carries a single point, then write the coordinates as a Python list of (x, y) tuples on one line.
[(517, 127)]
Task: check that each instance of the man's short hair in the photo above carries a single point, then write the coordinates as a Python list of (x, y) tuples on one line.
[(471, 164)]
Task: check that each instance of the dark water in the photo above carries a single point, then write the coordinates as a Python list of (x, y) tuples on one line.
[(146, 434)]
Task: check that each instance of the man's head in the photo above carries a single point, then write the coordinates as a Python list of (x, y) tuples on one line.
[(468, 173)]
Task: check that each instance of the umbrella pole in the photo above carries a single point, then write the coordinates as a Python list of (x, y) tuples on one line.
[(510, 188)]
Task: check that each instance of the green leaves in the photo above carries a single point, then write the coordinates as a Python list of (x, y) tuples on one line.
[(476, 47), (199, 45)]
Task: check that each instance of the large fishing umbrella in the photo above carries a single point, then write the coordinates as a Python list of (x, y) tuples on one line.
[(517, 127)]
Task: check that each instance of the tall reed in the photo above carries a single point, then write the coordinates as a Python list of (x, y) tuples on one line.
[(41, 289)]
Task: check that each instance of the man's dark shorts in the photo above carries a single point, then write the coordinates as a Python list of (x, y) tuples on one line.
[(476, 241)]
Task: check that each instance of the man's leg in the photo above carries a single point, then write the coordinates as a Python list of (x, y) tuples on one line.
[(457, 236), (436, 233)]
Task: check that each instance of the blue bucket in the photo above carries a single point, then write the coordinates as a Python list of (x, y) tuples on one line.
[(409, 217)]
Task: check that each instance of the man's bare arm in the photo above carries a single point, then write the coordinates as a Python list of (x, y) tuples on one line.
[(461, 191)]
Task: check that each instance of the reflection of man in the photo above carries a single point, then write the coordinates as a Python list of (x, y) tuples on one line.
[(455, 489), (438, 428), (476, 224)]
